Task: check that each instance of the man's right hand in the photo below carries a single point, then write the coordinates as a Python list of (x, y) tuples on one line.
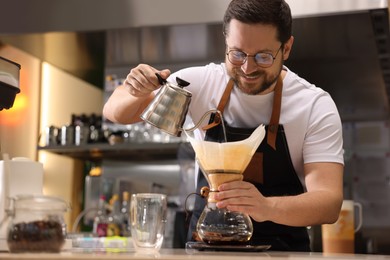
[(142, 80), (129, 100)]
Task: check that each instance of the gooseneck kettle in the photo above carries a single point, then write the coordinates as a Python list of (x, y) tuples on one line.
[(168, 109)]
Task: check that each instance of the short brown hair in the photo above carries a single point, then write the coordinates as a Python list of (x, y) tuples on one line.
[(272, 12)]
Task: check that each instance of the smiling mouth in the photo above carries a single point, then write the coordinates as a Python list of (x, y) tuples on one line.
[(250, 77)]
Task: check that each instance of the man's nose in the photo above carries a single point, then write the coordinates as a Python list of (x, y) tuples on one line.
[(249, 65)]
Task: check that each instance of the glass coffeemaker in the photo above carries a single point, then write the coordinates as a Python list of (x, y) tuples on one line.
[(220, 163)]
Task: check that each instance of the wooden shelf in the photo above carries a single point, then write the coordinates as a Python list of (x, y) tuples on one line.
[(123, 151)]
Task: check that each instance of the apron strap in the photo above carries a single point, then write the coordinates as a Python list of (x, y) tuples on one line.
[(274, 122), (221, 106)]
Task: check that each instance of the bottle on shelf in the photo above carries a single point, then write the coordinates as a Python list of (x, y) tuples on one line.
[(114, 218), (125, 212), (100, 223)]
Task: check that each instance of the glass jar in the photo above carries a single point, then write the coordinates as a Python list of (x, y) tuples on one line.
[(36, 224)]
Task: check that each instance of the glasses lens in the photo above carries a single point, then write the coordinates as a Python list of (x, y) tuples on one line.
[(236, 57), (264, 59)]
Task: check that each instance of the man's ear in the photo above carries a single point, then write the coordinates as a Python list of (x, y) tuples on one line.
[(287, 48)]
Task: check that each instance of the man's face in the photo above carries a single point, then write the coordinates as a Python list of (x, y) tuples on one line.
[(251, 39)]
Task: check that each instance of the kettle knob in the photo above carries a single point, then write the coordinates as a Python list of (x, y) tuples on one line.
[(180, 82)]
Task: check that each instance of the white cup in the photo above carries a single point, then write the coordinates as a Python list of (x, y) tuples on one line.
[(148, 217), (340, 236)]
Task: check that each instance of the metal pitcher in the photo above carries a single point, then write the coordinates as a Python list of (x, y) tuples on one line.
[(169, 108)]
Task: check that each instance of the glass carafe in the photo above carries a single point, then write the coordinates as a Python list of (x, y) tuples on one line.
[(221, 163), (219, 225)]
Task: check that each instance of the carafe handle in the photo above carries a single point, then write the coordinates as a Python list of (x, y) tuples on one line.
[(360, 216)]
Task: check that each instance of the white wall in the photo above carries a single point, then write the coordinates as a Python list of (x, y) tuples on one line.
[(63, 95)]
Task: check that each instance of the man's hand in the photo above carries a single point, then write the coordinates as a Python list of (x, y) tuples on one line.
[(243, 197), (142, 80)]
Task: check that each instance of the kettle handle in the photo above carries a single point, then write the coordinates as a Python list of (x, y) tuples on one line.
[(160, 79)]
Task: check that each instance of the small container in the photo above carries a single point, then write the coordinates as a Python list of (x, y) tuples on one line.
[(36, 224), (51, 135)]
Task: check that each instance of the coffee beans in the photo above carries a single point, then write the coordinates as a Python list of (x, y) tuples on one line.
[(36, 236)]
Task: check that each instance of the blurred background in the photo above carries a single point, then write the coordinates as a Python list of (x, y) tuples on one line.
[(74, 53)]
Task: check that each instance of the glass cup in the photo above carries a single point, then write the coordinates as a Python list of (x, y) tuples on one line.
[(340, 236), (148, 217)]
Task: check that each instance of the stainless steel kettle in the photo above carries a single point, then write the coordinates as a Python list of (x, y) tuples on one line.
[(169, 108)]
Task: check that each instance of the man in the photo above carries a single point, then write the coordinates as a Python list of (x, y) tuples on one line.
[(295, 178)]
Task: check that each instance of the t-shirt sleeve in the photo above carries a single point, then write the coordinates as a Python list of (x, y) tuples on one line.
[(323, 141)]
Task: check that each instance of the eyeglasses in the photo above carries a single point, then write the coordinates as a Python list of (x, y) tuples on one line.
[(262, 59)]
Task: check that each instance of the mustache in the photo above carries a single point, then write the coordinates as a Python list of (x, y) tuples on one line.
[(253, 74)]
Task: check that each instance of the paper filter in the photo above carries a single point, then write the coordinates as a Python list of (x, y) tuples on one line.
[(232, 157)]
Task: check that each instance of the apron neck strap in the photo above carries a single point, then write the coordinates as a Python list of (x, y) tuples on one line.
[(221, 106), (274, 122)]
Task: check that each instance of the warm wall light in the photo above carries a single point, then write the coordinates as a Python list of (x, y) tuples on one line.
[(15, 116), (45, 97)]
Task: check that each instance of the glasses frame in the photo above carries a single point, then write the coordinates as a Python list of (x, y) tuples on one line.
[(254, 57)]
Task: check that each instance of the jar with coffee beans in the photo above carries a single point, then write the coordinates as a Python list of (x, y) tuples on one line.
[(36, 224)]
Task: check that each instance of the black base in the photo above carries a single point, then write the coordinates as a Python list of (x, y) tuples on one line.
[(237, 248)]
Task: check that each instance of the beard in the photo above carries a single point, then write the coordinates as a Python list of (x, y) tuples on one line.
[(267, 80)]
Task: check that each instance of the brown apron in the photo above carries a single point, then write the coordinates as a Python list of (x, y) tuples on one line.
[(270, 170)]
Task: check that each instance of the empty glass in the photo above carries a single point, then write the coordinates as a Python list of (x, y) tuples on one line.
[(148, 218)]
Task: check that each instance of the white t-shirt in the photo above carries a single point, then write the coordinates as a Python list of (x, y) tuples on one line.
[(309, 115)]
